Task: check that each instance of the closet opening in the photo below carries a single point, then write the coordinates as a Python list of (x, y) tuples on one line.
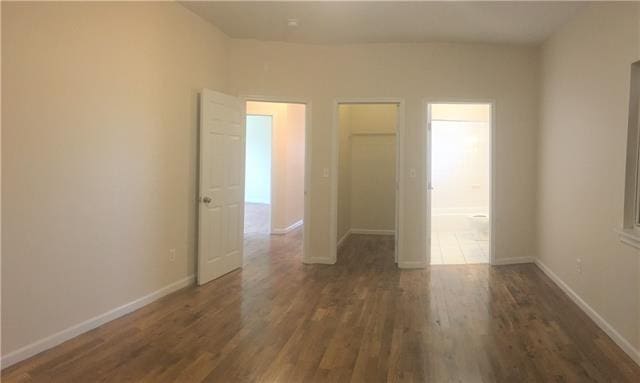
[(367, 180)]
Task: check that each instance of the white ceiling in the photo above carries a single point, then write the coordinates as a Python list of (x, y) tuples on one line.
[(366, 22)]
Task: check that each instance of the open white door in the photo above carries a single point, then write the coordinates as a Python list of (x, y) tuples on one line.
[(221, 201)]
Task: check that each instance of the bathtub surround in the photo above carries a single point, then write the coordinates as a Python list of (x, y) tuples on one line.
[(460, 183)]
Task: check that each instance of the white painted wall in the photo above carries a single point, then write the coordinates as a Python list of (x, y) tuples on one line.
[(99, 155), (287, 160), (118, 112), (581, 172), (258, 160), (344, 171), (505, 73), (373, 176), (367, 168), (295, 164)]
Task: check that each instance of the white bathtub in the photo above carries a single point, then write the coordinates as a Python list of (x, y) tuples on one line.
[(454, 219)]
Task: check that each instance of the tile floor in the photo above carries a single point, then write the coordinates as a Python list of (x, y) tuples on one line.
[(457, 248), (256, 218)]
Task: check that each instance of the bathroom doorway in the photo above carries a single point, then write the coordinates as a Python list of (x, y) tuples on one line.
[(459, 185)]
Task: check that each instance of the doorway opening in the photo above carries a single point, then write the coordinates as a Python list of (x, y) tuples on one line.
[(459, 208), (367, 173), (257, 184), (274, 173)]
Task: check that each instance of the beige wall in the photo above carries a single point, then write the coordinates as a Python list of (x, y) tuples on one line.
[(344, 172), (506, 74), (582, 148), (99, 156), (294, 183), (372, 118), (114, 187), (288, 144), (460, 112), (366, 198)]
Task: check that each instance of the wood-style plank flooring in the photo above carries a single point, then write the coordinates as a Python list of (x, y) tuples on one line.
[(361, 320)]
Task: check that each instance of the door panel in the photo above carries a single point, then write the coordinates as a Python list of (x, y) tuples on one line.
[(221, 186)]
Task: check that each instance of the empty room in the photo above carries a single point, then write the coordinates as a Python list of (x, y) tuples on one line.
[(317, 191)]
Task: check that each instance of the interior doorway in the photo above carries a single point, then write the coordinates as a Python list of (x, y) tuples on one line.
[(275, 157), (224, 243), (367, 197), (258, 154), (459, 189)]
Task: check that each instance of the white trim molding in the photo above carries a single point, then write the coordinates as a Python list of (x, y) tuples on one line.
[(629, 237), (344, 238), (363, 231), (80, 328), (319, 260), (288, 229), (512, 261), (372, 231), (421, 264), (623, 343)]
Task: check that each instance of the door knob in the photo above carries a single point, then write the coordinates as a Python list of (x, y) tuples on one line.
[(206, 199)]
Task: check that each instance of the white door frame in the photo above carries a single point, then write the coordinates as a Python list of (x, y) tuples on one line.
[(426, 108), (333, 225), (244, 98)]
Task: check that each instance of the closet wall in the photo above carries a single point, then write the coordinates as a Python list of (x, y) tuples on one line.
[(367, 168)]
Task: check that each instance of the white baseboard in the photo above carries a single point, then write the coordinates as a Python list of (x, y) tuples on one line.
[(80, 328), (319, 260), (512, 261), (623, 343), (363, 231), (287, 229), (412, 264), (372, 232), (344, 238)]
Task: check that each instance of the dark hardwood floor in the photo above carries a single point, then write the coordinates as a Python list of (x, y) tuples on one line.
[(361, 320)]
